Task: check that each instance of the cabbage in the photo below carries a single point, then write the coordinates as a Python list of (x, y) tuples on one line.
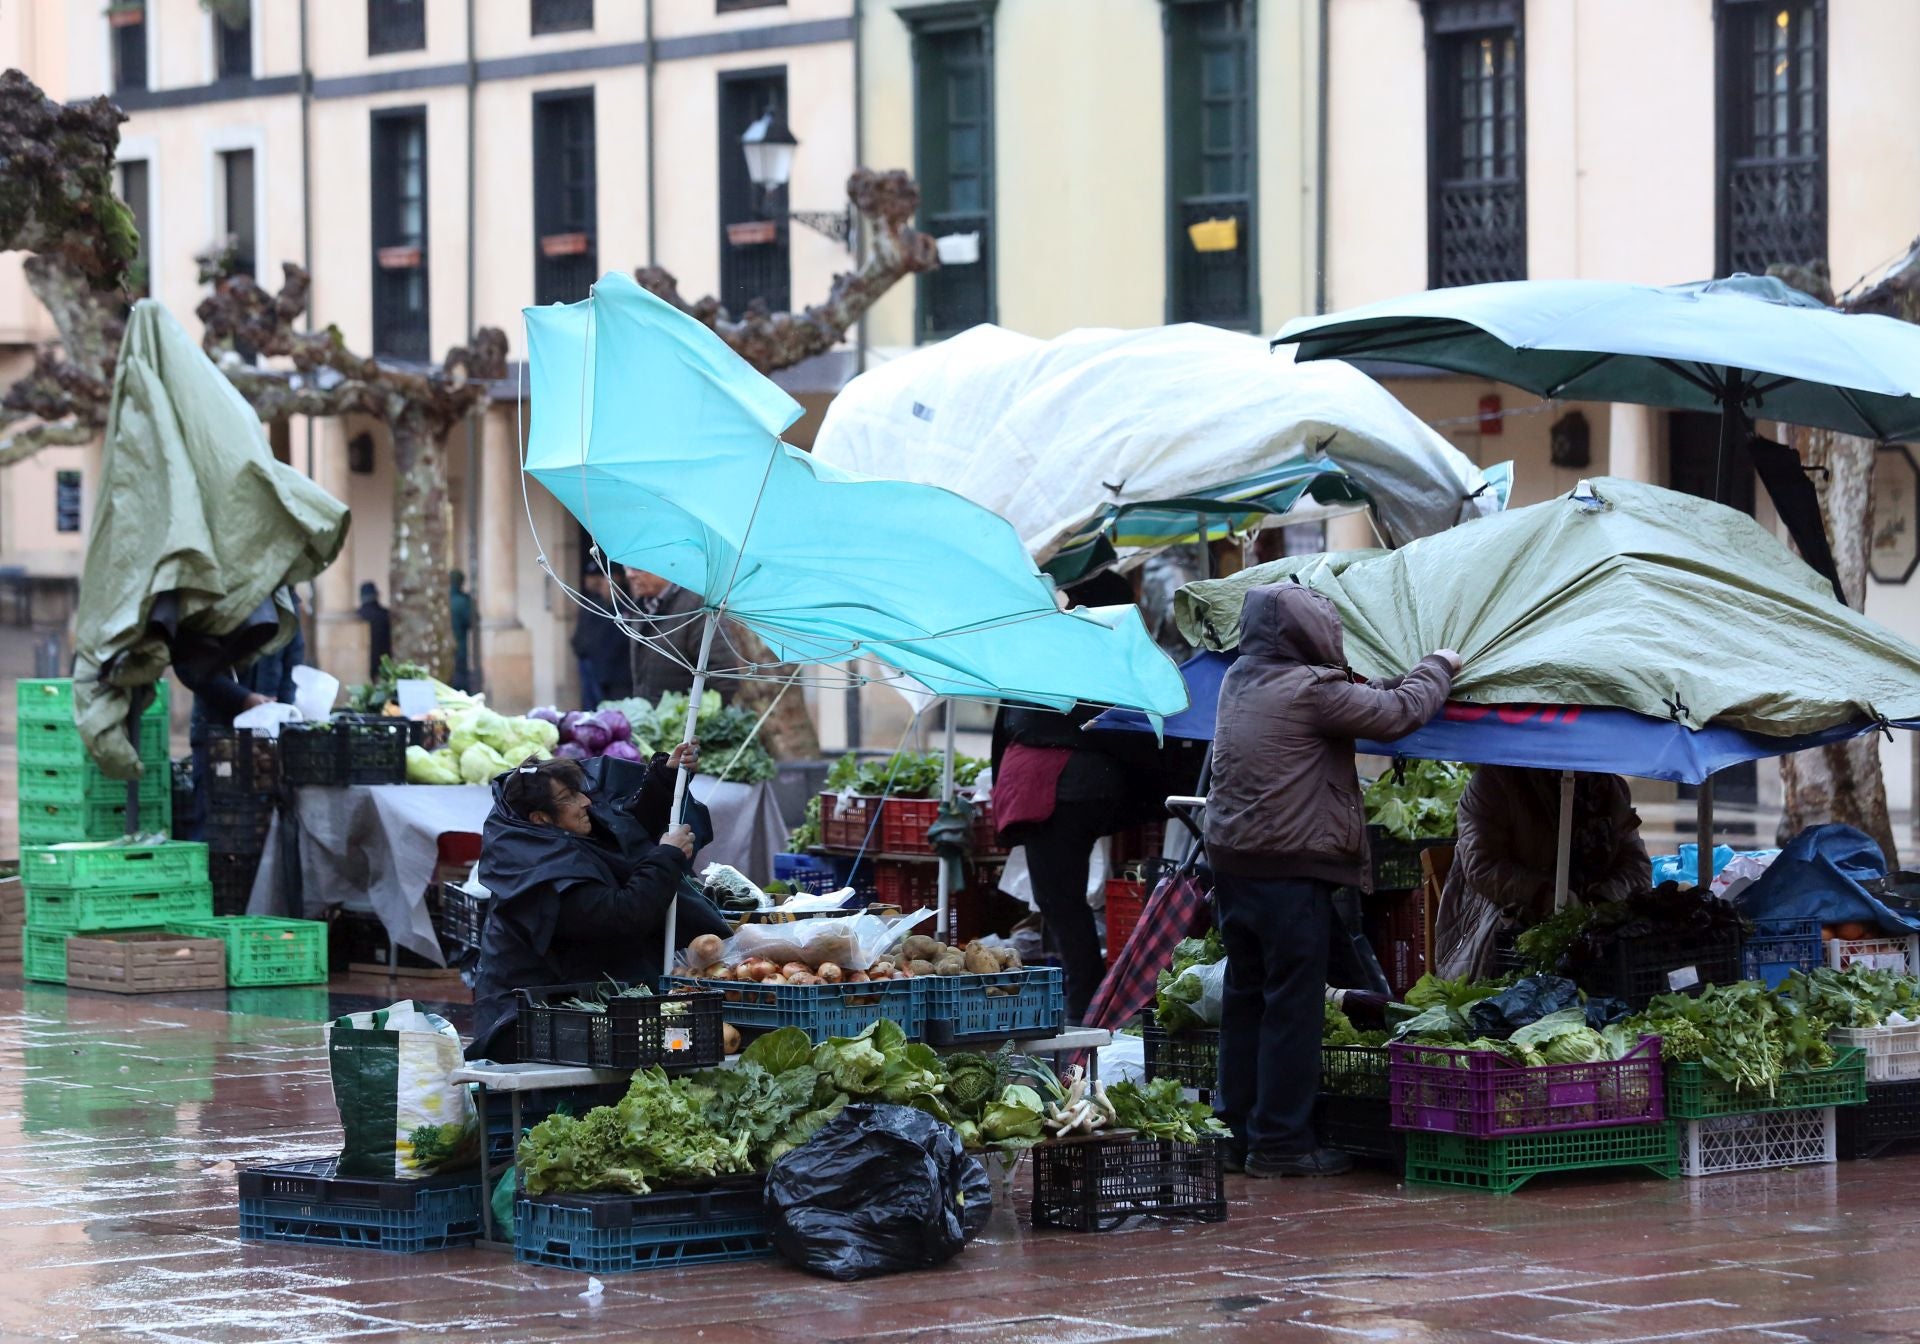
[(431, 767), (568, 721), (521, 752), (619, 727), (545, 714), (497, 730), (570, 751), (480, 763), (479, 724), (1563, 1038), (542, 733), (591, 734), (622, 751)]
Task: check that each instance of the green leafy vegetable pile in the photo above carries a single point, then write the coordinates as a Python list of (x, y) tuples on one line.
[(1417, 803), (1159, 1110), (1177, 993), (1430, 991), (373, 696), (1859, 996), (722, 729), (1585, 935), (914, 774), (1338, 1029), (807, 835), (1743, 1034)]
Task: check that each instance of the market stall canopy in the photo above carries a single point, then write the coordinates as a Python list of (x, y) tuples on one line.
[(1620, 595), (1113, 442), (192, 515), (1746, 345), (665, 445), (1545, 737)]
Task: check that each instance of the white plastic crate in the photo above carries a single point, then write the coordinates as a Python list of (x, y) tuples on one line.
[(1757, 1141), (1893, 1053), (1900, 954)]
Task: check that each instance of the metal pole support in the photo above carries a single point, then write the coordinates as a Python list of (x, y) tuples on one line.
[(683, 775), (1703, 834), (1563, 857)]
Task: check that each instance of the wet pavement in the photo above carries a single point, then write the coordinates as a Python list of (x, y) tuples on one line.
[(124, 1120)]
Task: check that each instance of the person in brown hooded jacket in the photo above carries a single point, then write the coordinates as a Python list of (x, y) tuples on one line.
[(1284, 827)]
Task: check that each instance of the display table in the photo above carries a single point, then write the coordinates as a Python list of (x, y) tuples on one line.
[(374, 847), (514, 1080)]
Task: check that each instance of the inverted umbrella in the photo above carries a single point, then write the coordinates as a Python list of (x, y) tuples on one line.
[(1104, 442), (665, 445)]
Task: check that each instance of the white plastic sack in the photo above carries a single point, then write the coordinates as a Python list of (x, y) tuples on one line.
[(736, 883), (851, 943), (269, 718), (1213, 989), (402, 1114), (1741, 872), (314, 692), (1016, 879)]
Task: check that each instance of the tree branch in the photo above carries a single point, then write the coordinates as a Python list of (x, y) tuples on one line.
[(23, 444), (887, 203)]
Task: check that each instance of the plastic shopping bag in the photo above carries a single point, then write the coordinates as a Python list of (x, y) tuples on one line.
[(403, 1115)]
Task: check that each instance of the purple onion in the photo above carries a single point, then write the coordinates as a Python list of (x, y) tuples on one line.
[(617, 726), (572, 751), (546, 714), (621, 751)]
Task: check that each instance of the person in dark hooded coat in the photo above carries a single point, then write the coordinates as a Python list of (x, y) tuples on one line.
[(582, 866)]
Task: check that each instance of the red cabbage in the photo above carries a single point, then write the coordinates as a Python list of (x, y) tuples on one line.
[(617, 726), (571, 720), (572, 751), (590, 731), (621, 751), (546, 714)]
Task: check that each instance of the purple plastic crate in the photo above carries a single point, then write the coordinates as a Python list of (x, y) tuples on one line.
[(1479, 1093)]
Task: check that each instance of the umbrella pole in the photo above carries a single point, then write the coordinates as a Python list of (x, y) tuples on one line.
[(943, 919), (682, 776), (1563, 859), (1703, 835)]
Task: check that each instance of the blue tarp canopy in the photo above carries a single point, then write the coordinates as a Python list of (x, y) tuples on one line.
[(1547, 737)]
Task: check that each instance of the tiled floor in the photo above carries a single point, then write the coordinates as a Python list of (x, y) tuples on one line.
[(122, 1122)]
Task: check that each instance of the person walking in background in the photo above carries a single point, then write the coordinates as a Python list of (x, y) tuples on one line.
[(600, 646), (1285, 827), (221, 692), (379, 629), (664, 661), (460, 609)]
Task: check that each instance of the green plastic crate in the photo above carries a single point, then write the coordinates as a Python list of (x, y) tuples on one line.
[(1501, 1166), (85, 783), (43, 956), (64, 823), (52, 698), (115, 867), (1695, 1094), (57, 742), (265, 951), (88, 910)]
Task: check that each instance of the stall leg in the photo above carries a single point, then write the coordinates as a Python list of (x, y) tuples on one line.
[(1703, 835), (486, 1175), (1563, 859), (943, 920), (682, 776)]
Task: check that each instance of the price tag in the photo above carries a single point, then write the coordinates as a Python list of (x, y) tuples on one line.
[(223, 769), (416, 697), (1684, 978), (677, 1042)]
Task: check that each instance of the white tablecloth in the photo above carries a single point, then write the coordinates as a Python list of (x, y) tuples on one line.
[(375, 846)]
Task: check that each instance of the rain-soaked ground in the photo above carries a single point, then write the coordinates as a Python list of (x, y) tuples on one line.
[(123, 1120)]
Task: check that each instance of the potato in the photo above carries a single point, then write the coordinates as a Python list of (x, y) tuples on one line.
[(1009, 958), (781, 953), (919, 947), (730, 1038), (921, 967), (980, 960), (951, 964), (705, 950), (882, 964), (831, 972)]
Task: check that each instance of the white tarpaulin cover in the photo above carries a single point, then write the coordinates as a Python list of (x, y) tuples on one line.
[(1068, 436)]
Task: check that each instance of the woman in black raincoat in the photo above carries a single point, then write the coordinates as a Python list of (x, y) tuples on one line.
[(581, 864)]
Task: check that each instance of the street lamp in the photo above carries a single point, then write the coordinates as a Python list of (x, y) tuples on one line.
[(769, 147)]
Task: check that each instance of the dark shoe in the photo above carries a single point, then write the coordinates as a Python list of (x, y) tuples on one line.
[(1319, 1162), (1234, 1160)]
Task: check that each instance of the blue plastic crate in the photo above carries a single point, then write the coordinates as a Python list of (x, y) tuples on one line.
[(1777, 947), (819, 1010), (958, 1008), (307, 1203), (804, 872), (537, 1106), (618, 1234)]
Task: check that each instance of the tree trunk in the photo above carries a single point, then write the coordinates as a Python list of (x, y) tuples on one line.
[(788, 733), (422, 541), (1842, 782)]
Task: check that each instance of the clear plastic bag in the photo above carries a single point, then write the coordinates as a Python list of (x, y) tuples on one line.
[(850, 942)]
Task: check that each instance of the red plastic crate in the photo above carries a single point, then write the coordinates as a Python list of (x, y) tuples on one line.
[(1396, 924), (904, 823), (1126, 898), (985, 841), (911, 886), (848, 831), (1137, 844), (1479, 1093)]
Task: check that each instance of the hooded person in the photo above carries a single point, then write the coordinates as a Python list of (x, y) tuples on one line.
[(1505, 859), (1284, 827), (582, 867)]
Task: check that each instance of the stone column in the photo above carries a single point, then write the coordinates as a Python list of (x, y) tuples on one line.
[(339, 637), (506, 646), (1630, 442), (1351, 532)]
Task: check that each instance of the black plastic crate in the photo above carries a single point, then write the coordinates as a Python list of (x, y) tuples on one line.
[(308, 1203), (1095, 1185), (238, 823), (241, 761), (358, 938), (1361, 1127), (1636, 969), (677, 1030), (232, 878), (1396, 862), (463, 917), (1190, 1058), (347, 749), (1355, 1071), (1890, 1119), (538, 1106)]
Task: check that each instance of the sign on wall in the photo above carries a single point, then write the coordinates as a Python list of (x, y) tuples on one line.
[(1895, 552)]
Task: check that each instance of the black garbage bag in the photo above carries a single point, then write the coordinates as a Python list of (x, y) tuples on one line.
[(878, 1190), (1527, 1001), (1604, 1011)]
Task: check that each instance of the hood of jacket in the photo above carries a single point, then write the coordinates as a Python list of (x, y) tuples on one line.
[(517, 855), (1290, 623)]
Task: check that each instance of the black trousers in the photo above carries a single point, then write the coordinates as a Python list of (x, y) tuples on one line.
[(1059, 858), (1276, 932)]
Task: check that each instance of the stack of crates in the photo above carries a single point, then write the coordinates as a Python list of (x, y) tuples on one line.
[(63, 795), (100, 886)]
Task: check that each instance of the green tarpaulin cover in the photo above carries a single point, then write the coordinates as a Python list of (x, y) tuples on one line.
[(1623, 595), (190, 501)]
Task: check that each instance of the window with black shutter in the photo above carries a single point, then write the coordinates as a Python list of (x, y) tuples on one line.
[(1210, 162), (399, 194), (66, 501), (396, 25), (233, 39), (1476, 157), (136, 194), (562, 16), (1773, 132), (128, 20), (236, 176), (953, 161), (565, 197), (755, 258)]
